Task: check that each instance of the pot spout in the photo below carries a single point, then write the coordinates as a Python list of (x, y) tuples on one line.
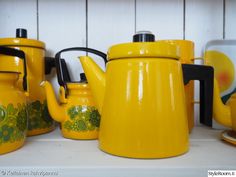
[(96, 80), (56, 110)]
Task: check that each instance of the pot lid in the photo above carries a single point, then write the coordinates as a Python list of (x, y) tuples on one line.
[(144, 48), (21, 40)]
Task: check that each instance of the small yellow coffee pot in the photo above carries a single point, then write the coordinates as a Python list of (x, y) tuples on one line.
[(13, 104), (76, 111), (141, 99)]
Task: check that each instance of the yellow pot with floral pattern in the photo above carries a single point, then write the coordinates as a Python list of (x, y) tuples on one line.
[(39, 120), (13, 106), (76, 112)]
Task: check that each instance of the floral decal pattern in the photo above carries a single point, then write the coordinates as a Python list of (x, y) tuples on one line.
[(13, 123), (82, 118), (39, 116)]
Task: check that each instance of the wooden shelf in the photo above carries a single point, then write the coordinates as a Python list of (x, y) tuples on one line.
[(51, 152)]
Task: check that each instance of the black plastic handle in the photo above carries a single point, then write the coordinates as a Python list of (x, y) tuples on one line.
[(16, 53), (205, 74), (59, 66), (49, 64)]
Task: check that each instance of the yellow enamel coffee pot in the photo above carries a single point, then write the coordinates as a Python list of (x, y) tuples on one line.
[(76, 111), (39, 119), (13, 103), (191, 72), (186, 57), (141, 99)]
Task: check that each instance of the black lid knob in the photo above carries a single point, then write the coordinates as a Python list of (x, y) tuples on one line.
[(83, 77), (21, 33), (144, 36)]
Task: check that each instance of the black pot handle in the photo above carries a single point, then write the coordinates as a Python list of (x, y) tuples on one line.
[(49, 64), (205, 74), (16, 53), (59, 64)]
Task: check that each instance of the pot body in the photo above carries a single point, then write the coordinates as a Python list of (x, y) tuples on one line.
[(39, 119), (82, 118), (144, 111), (13, 113)]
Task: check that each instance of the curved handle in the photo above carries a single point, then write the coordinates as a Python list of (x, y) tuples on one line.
[(59, 64), (205, 74), (16, 53)]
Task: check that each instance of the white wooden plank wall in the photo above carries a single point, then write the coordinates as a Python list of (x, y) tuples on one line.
[(230, 24), (163, 17), (101, 23), (16, 14), (110, 22), (62, 24)]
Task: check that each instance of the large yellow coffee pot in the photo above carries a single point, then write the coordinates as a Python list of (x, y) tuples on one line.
[(39, 119), (141, 100)]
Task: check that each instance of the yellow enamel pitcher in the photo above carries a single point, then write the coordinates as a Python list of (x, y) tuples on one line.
[(186, 57), (39, 119), (76, 111), (191, 72), (141, 100), (13, 111)]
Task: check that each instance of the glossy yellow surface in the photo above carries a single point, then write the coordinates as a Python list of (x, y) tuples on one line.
[(35, 52), (21, 42), (79, 95), (98, 77), (10, 95), (141, 49), (9, 147), (186, 51), (141, 101), (186, 57)]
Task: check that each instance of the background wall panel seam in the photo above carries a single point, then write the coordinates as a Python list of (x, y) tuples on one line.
[(86, 25), (37, 18), (224, 18), (184, 17), (135, 16)]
